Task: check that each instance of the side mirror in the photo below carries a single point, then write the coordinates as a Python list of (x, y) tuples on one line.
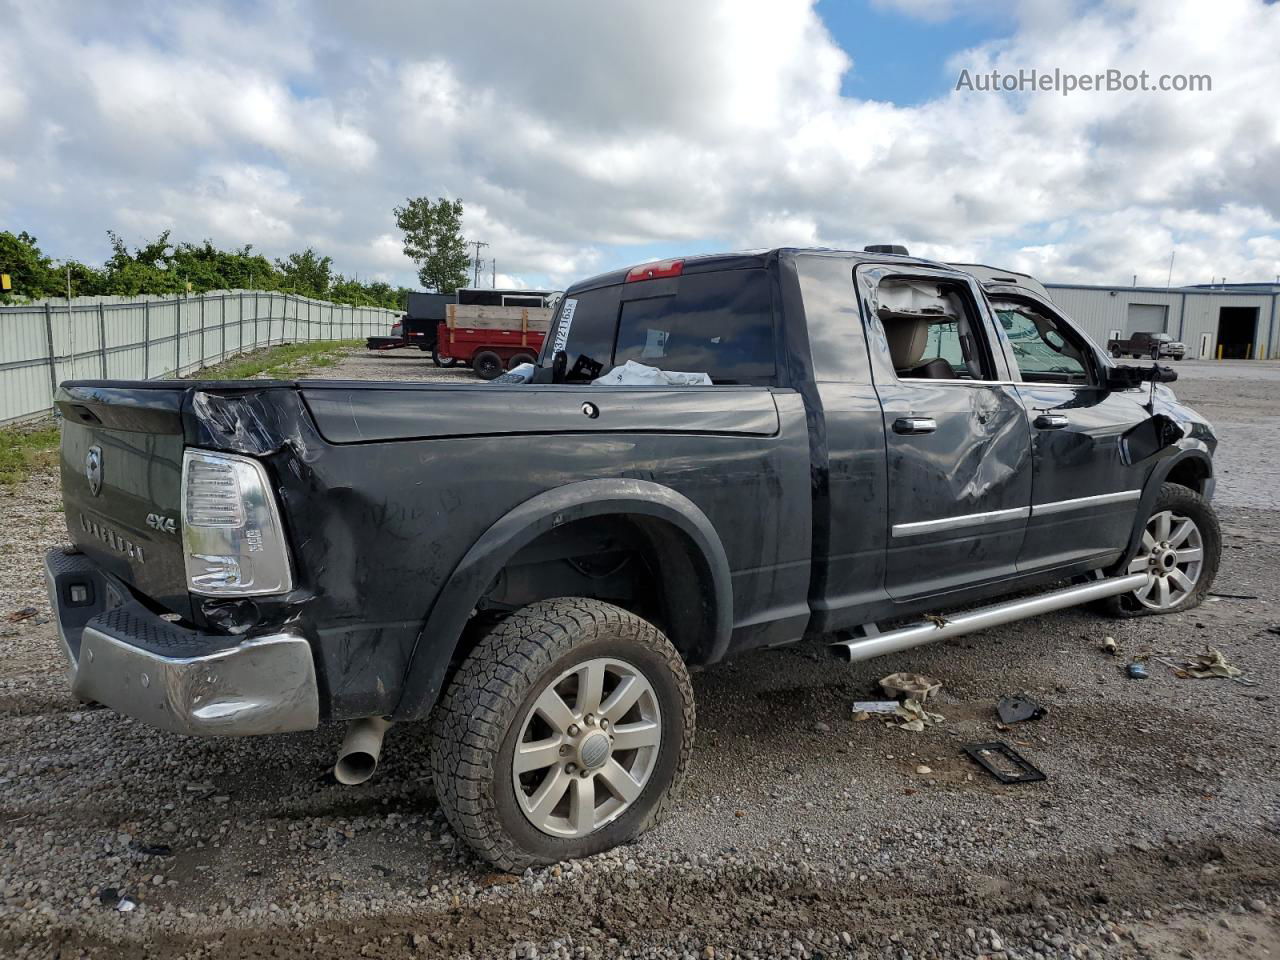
[(1123, 376)]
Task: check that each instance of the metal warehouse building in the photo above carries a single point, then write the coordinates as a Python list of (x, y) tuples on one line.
[(1231, 321)]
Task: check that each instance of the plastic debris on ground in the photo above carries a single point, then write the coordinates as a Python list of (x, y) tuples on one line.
[(1138, 671), (1004, 763), (1210, 665), (863, 709), (913, 686), (910, 715), (1017, 708), (1109, 645), (632, 374)]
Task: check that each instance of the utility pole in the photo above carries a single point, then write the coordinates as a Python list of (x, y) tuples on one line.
[(475, 262), (493, 276), (71, 324), (1169, 281)]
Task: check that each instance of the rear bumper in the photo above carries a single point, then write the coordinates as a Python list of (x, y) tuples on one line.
[(122, 655)]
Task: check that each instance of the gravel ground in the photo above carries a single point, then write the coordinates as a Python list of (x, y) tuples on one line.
[(801, 833)]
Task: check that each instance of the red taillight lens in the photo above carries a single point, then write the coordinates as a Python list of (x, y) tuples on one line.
[(655, 271)]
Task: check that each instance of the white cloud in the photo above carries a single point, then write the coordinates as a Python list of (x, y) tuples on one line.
[(569, 131)]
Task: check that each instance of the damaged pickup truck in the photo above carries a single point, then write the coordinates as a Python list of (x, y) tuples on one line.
[(533, 568)]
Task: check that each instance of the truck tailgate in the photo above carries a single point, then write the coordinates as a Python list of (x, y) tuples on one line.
[(121, 484)]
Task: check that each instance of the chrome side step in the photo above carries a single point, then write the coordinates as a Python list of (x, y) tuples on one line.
[(904, 638)]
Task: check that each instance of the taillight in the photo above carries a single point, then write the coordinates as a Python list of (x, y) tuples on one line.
[(655, 271), (232, 539)]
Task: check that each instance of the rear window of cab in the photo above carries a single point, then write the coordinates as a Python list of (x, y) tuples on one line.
[(718, 323)]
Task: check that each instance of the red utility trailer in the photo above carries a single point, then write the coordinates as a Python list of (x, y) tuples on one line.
[(493, 339)]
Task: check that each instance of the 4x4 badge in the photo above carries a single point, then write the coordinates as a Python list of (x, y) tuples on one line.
[(164, 524), (93, 469)]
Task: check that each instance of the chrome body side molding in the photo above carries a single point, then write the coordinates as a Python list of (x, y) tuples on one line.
[(1000, 516)]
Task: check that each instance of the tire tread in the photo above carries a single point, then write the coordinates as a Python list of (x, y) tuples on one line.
[(479, 706)]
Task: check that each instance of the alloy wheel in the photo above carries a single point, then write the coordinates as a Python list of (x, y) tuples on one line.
[(587, 747), (1172, 551)]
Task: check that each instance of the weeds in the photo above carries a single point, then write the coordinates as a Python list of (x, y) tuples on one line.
[(277, 362), (26, 451)]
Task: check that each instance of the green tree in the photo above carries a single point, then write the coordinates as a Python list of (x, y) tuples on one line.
[(306, 273), (433, 240), (145, 270), (32, 273), (165, 268), (206, 267)]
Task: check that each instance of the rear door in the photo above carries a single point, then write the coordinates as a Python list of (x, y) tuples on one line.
[(1084, 497), (121, 484), (956, 436)]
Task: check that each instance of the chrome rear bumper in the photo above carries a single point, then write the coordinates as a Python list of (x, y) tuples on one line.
[(131, 660)]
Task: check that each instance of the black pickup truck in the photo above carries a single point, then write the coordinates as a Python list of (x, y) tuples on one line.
[(533, 567), (1154, 345)]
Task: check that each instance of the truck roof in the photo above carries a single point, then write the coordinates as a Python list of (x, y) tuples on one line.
[(746, 259)]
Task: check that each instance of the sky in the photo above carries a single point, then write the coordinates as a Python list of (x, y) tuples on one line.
[(584, 135)]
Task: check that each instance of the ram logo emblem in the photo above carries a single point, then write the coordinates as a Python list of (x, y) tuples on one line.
[(93, 469)]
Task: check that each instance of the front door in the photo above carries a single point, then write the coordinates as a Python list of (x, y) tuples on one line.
[(956, 437), (1084, 498)]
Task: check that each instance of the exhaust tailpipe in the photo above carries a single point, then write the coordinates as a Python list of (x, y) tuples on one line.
[(361, 747)]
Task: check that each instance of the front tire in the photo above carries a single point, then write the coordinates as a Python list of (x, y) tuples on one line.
[(441, 360), (566, 732), (1181, 547)]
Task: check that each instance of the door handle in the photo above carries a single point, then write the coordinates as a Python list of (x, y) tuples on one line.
[(914, 426), (1051, 421)]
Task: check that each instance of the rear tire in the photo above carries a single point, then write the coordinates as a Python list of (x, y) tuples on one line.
[(527, 684), (487, 365), (520, 358), (1115, 353), (1182, 544)]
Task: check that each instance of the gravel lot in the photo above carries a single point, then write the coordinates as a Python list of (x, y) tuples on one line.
[(800, 833)]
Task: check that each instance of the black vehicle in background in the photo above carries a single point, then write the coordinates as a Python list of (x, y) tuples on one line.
[(1157, 346), (533, 567)]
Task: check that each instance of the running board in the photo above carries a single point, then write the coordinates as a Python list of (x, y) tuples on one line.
[(904, 638)]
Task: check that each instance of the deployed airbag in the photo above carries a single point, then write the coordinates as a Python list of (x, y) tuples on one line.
[(632, 374)]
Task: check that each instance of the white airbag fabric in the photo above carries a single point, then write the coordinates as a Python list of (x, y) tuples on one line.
[(632, 374)]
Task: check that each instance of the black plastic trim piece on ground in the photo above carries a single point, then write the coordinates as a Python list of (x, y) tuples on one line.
[(1027, 772)]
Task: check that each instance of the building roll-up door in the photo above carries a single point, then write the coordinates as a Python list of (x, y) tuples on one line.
[(1147, 318)]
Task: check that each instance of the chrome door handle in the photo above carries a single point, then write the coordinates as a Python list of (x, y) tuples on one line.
[(913, 426), (1051, 421)]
